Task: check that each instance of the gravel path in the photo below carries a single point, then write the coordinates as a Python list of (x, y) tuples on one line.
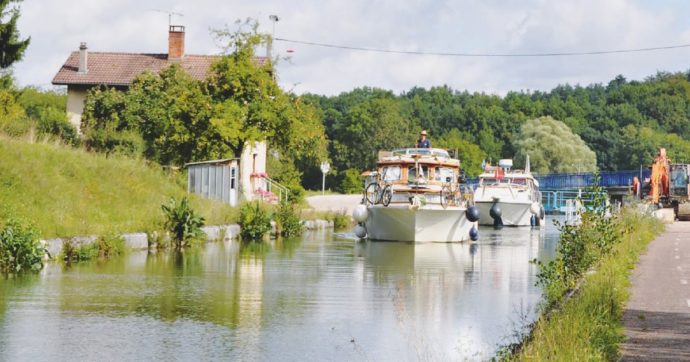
[(334, 202), (657, 317)]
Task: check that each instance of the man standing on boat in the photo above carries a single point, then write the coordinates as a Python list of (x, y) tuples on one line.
[(423, 142)]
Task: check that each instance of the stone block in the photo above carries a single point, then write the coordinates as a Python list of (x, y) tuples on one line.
[(136, 240), (53, 247), (212, 232)]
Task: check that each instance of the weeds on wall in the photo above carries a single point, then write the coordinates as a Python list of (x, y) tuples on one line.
[(288, 221), (20, 249), (255, 221), (104, 247), (341, 219)]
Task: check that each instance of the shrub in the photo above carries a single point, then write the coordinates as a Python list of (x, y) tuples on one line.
[(183, 222), (288, 223), (255, 221), (53, 121), (341, 220), (295, 192), (20, 249), (581, 246), (352, 182)]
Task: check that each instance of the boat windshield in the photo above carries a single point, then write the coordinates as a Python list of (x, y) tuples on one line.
[(412, 172), (421, 151), (506, 180)]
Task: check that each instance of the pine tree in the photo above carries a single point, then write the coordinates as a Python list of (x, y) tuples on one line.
[(11, 48)]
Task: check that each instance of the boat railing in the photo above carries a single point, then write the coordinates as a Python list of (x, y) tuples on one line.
[(449, 194)]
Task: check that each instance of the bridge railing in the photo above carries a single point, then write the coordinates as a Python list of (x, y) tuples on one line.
[(574, 181), (560, 181)]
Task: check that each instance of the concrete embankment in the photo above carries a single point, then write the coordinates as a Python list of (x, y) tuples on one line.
[(138, 241), (657, 317)]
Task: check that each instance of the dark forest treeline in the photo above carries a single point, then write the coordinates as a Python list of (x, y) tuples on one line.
[(623, 122)]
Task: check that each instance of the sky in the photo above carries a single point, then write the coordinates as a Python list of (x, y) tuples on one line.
[(478, 26)]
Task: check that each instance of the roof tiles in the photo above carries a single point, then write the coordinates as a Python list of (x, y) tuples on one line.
[(120, 69)]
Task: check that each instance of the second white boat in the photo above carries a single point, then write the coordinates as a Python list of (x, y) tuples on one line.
[(508, 197)]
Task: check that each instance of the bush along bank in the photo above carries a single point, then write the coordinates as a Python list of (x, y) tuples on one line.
[(585, 288), (82, 248), (20, 249)]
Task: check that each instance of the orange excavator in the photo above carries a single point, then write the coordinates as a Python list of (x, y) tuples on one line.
[(658, 181), (668, 185)]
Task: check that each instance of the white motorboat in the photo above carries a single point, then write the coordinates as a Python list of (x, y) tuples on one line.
[(414, 195), (508, 197)]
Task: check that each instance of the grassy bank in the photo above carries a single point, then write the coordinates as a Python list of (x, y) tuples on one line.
[(68, 192), (588, 326)]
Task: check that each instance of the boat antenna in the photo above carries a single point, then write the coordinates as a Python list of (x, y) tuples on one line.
[(527, 165)]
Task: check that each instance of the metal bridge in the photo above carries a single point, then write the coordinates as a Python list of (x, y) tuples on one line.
[(557, 188)]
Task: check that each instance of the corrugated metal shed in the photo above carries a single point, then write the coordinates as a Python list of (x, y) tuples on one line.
[(215, 179)]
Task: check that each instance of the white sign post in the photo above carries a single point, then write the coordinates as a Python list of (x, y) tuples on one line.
[(325, 167)]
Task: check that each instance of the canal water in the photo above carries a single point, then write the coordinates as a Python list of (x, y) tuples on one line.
[(324, 297)]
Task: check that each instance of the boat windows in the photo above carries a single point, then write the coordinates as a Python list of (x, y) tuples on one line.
[(391, 173), (412, 172), (488, 181)]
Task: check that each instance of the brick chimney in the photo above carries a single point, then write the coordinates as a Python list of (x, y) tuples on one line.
[(176, 43), (83, 58)]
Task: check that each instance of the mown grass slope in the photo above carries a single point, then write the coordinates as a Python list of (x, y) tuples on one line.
[(66, 192)]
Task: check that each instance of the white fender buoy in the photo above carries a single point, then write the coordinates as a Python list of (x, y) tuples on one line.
[(360, 231), (360, 213), (534, 209)]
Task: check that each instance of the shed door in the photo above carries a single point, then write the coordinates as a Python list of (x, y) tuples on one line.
[(234, 184)]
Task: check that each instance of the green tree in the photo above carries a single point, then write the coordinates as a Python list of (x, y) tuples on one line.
[(104, 125), (13, 120), (172, 113), (374, 125), (11, 47), (470, 155), (552, 147)]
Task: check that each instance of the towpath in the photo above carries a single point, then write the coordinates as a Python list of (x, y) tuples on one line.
[(657, 317), (334, 202)]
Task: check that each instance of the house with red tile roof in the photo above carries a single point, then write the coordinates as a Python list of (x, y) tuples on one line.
[(84, 70)]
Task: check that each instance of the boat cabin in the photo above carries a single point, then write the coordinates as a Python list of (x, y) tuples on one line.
[(417, 169), (502, 176)]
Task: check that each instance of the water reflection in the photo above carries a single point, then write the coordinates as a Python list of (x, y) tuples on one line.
[(320, 297)]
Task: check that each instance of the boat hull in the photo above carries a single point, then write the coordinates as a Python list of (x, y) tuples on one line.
[(512, 213), (407, 223)]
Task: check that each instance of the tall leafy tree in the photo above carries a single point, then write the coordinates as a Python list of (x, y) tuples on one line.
[(11, 47), (552, 147), (469, 154)]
